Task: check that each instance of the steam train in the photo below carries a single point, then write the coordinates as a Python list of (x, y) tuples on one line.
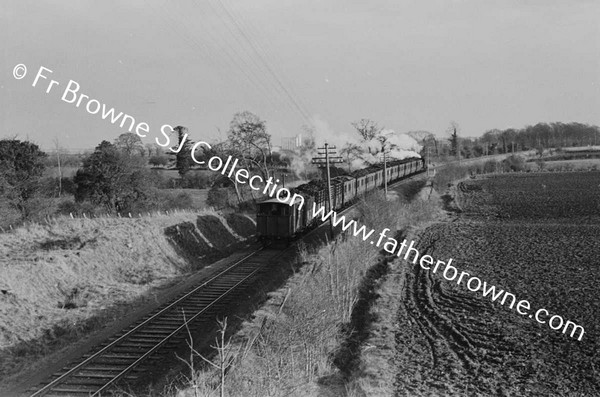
[(284, 220)]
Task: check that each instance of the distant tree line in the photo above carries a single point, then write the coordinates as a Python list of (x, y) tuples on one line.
[(495, 141), (117, 177)]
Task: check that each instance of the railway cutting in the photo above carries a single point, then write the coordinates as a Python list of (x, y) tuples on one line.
[(128, 355)]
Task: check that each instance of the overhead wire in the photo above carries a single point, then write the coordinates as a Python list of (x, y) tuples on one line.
[(241, 53), (215, 57), (258, 49), (205, 53)]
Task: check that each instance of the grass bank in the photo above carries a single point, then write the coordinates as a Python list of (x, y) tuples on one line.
[(308, 338), (66, 278)]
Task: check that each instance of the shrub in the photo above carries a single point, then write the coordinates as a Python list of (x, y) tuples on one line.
[(112, 179), (445, 176), (71, 207), (195, 180), (172, 200), (490, 166), (9, 216), (50, 186), (541, 164), (159, 161), (476, 169), (221, 198), (160, 181), (513, 164)]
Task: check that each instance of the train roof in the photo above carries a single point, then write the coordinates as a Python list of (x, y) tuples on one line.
[(287, 201), (342, 178), (379, 166)]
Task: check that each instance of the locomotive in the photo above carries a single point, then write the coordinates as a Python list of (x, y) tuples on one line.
[(286, 219)]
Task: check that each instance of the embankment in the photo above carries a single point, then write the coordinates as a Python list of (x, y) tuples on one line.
[(307, 338), (64, 280)]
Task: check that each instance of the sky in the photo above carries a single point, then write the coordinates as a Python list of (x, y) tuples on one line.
[(408, 65)]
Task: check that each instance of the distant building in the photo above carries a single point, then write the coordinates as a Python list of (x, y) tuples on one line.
[(291, 143)]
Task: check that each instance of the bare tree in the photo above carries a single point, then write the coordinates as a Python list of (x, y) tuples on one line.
[(224, 150), (352, 152), (368, 129), (248, 136), (426, 139)]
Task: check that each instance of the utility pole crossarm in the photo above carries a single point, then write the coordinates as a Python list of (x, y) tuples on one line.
[(324, 162)]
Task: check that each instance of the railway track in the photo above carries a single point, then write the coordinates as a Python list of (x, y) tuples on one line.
[(127, 355)]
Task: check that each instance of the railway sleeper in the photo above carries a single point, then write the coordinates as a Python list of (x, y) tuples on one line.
[(116, 358), (66, 390), (192, 310), (199, 299), (108, 367), (134, 349), (141, 345), (146, 338), (230, 281), (104, 375), (215, 291), (90, 382), (85, 372), (170, 320), (159, 324), (154, 331)]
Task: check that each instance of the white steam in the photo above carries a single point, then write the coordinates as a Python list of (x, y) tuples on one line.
[(398, 145)]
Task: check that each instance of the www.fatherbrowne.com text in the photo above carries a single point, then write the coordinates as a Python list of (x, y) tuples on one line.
[(72, 95), (449, 272)]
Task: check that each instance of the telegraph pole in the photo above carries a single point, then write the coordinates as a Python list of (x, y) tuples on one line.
[(430, 171), (328, 181), (319, 161), (385, 174), (385, 188)]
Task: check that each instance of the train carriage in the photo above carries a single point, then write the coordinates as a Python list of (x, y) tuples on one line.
[(379, 178), (349, 188), (337, 194), (284, 220), (388, 174), (361, 185), (277, 220), (370, 182), (396, 173)]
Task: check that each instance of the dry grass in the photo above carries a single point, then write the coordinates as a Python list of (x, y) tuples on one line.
[(59, 275), (295, 344), (567, 165), (375, 373), (292, 342)]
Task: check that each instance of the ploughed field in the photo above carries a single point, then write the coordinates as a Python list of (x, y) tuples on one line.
[(536, 236)]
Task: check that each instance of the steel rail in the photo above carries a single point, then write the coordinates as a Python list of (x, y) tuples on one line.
[(166, 339), (123, 337)]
